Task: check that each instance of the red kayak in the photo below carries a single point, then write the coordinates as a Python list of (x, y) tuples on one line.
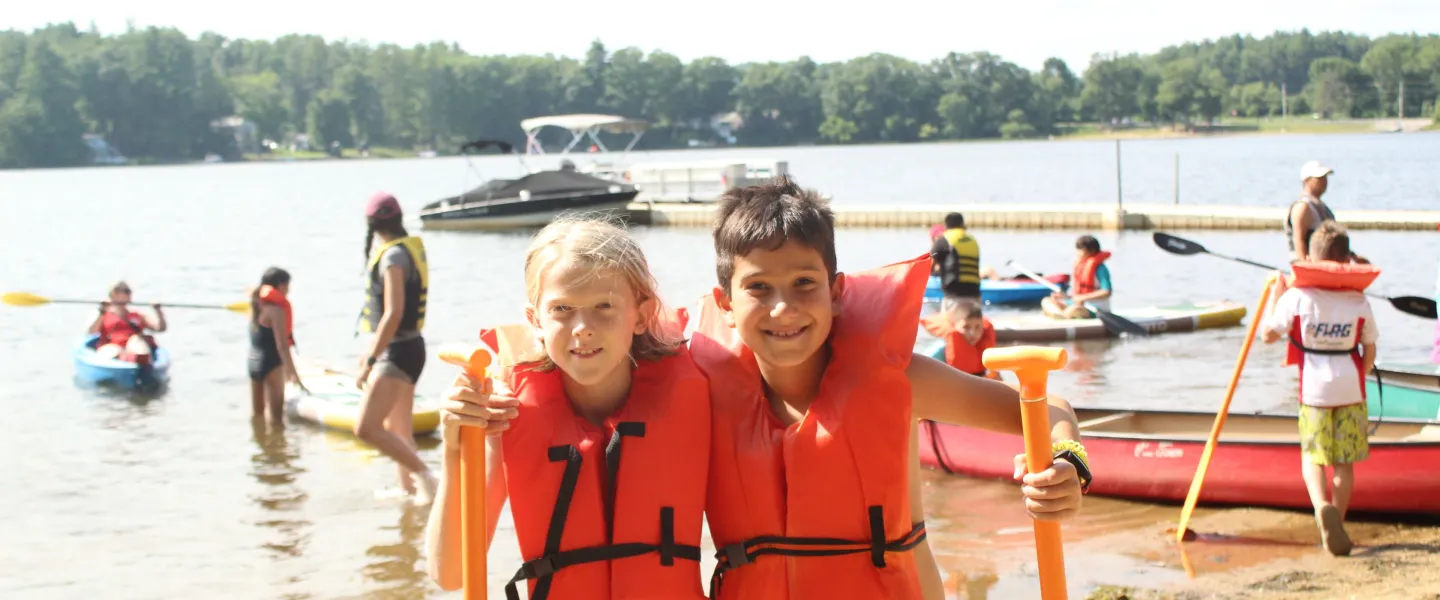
[(1152, 455)]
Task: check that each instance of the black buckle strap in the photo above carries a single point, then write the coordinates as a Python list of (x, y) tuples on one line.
[(743, 553), (544, 568)]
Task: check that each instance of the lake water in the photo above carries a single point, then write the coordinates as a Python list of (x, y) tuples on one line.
[(179, 496)]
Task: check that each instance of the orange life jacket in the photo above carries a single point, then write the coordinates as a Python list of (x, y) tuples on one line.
[(115, 329), (273, 296), (1084, 278), (1328, 275), (610, 512), (958, 352), (819, 509)]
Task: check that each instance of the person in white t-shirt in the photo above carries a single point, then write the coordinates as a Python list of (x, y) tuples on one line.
[(1332, 336)]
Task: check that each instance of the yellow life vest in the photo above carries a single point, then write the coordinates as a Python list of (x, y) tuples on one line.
[(415, 292), (968, 252)]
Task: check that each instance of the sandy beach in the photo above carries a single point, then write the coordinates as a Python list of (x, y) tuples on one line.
[(1259, 553)]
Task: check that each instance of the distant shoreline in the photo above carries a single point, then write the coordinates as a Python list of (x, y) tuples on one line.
[(1077, 132), (1068, 132)]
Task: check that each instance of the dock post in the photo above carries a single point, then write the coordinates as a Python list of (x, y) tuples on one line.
[(1177, 179), (1119, 182)]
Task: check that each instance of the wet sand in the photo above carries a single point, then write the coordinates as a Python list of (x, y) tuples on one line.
[(1260, 553)]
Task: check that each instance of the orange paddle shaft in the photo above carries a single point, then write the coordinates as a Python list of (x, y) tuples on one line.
[(1032, 366), (472, 483), (1195, 484)]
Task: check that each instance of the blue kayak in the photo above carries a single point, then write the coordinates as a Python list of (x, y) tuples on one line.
[(1001, 291), (93, 369)]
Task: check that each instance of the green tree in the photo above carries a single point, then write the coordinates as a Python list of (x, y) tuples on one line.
[(39, 124)]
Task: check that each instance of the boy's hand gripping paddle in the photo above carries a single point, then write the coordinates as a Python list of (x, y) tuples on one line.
[(1032, 366), (472, 482)]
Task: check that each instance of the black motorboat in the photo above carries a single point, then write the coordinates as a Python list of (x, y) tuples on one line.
[(529, 201)]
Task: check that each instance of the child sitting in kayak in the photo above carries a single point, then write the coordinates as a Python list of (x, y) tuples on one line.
[(1090, 283), (967, 335), (815, 391), (1332, 335), (122, 331), (602, 447)]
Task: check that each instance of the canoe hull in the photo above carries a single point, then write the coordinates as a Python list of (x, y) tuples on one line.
[(1411, 391), (334, 403), (1155, 319), (1004, 291), (1244, 470), (95, 370)]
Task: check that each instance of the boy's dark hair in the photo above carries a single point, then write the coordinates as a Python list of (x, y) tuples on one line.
[(954, 220), (1088, 243), (766, 216), (1330, 242)]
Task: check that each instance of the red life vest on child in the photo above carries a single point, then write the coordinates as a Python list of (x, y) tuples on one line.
[(273, 296), (1331, 325), (1084, 279), (819, 508), (612, 511), (958, 352)]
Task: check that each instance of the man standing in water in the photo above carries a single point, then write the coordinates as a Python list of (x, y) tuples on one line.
[(957, 263), (1308, 212)]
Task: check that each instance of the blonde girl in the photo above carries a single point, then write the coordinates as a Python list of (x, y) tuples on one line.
[(599, 435)]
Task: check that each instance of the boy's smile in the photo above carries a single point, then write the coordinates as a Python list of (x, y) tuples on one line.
[(781, 303)]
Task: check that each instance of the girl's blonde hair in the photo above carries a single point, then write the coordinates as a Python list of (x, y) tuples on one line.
[(600, 242)]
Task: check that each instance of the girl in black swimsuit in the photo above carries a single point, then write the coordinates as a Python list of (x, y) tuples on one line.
[(270, 341)]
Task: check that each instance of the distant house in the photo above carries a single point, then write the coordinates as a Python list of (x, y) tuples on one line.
[(102, 153), (247, 136)]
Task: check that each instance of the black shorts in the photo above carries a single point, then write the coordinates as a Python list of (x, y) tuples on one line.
[(403, 360)]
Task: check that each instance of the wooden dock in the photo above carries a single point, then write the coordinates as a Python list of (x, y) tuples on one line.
[(1060, 216)]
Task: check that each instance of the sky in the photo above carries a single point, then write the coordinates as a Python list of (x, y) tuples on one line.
[(1024, 32)]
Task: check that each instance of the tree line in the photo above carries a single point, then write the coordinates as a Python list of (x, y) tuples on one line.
[(157, 95)]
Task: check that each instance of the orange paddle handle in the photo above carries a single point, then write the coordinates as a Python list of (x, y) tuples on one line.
[(1032, 366), (472, 484), (1193, 495)]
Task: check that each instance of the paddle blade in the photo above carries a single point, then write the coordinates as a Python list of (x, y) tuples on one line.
[(1117, 324), (239, 307), (1175, 245), (24, 299), (1415, 305)]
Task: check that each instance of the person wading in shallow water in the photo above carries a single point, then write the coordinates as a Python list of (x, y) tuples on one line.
[(398, 277)]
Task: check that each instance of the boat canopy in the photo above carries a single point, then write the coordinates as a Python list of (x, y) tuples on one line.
[(581, 126)]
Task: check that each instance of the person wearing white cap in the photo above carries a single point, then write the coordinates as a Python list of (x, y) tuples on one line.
[(1308, 212)]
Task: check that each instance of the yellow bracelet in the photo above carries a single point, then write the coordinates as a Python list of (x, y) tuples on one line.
[(1073, 446)]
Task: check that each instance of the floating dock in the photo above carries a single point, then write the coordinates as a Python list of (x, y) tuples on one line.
[(1060, 216)]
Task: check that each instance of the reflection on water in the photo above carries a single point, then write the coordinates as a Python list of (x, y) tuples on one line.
[(395, 567), (273, 467)]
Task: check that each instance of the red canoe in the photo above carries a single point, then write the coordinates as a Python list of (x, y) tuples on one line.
[(1152, 455)]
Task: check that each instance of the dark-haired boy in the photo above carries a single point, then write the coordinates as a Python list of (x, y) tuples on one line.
[(815, 395)]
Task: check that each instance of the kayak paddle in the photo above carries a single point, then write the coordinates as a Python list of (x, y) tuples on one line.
[(1032, 366), (1115, 324), (24, 299), (472, 482), (1411, 305), (1199, 479)]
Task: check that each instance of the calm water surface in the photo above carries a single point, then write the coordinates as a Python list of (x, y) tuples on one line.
[(180, 497)]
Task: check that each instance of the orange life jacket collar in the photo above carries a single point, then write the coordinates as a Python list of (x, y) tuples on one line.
[(1331, 275)]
